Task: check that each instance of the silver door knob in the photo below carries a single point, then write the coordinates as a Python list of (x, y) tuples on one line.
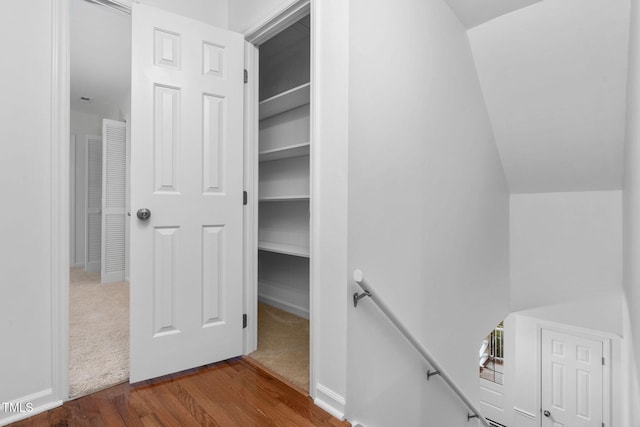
[(547, 413), (143, 214)]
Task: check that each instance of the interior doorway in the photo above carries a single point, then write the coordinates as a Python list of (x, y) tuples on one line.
[(100, 55), (284, 198)]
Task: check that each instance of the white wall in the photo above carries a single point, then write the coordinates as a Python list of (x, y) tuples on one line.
[(631, 215), (428, 211), (330, 73), (25, 166), (564, 246)]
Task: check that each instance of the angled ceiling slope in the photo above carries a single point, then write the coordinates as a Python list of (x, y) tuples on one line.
[(554, 79), (475, 12)]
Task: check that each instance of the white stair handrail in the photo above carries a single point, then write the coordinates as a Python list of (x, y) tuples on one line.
[(358, 277)]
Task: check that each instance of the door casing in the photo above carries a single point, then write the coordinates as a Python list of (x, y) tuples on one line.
[(256, 36)]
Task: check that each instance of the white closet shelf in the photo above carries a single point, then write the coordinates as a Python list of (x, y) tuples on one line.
[(283, 248), (284, 198), (285, 101), (296, 150)]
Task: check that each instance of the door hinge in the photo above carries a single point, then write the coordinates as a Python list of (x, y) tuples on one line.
[(603, 361), (245, 197), (244, 321), (246, 76)]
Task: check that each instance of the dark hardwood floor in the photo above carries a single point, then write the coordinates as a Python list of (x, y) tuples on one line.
[(231, 393)]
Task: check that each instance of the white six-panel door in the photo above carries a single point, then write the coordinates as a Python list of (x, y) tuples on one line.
[(572, 381), (114, 187), (186, 168)]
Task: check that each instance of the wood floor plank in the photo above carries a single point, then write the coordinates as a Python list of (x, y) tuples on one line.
[(230, 393)]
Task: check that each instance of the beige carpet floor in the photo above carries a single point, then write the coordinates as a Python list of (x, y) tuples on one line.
[(283, 345), (98, 333)]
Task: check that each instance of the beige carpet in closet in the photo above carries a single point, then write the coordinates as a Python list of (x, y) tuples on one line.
[(283, 345)]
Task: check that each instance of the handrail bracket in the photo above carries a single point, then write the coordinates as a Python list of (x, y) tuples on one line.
[(431, 373), (471, 416), (357, 297)]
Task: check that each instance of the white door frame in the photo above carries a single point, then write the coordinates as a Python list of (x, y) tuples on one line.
[(606, 371), (59, 214), (262, 32)]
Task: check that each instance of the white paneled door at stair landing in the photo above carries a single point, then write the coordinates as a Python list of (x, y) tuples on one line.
[(572, 381), (186, 163)]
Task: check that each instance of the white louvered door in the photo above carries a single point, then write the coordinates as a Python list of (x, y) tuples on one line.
[(114, 187), (186, 163), (94, 205)]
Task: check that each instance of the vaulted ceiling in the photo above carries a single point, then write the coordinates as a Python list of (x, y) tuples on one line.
[(554, 78)]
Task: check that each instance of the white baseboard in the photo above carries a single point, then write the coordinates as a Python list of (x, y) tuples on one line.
[(284, 305), (29, 406), (330, 401)]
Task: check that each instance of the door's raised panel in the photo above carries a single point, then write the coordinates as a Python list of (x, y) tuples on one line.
[(583, 394), (213, 134), (583, 354), (164, 280), (558, 381), (166, 131), (212, 274), (558, 348), (213, 59), (167, 49)]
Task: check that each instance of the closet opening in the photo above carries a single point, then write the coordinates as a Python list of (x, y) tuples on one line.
[(284, 205)]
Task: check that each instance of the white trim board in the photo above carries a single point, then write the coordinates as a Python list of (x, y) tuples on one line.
[(31, 405), (330, 401), (59, 214), (251, 209)]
